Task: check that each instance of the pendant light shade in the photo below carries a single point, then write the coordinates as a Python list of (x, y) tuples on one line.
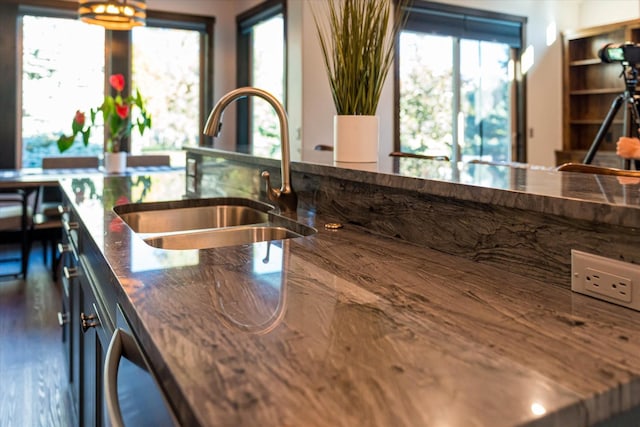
[(113, 14)]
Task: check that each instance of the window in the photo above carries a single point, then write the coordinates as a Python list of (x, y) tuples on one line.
[(63, 64), (54, 80), (457, 95), (261, 64), (166, 68)]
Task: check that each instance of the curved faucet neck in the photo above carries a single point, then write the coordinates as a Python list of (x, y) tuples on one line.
[(214, 123)]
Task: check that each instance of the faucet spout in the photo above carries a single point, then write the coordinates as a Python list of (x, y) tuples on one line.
[(285, 197)]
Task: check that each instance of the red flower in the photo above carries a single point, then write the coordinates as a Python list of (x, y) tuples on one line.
[(122, 200), (79, 118), (122, 111), (116, 225), (117, 82)]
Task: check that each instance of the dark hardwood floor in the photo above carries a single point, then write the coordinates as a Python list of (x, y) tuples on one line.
[(33, 381)]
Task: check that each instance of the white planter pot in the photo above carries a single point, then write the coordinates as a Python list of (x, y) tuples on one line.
[(115, 162), (355, 139)]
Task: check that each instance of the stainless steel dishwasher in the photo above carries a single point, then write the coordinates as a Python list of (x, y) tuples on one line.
[(132, 395)]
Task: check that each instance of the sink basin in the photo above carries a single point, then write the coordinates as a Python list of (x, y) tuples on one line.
[(216, 238), (208, 223), (192, 214)]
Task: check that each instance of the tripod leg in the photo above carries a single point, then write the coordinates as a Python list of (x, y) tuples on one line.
[(604, 128), (626, 127), (633, 108)]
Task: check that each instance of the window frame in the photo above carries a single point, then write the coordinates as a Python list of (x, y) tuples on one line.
[(244, 22), (117, 60), (519, 147)]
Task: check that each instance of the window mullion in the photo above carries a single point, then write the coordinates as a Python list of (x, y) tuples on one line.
[(118, 61), (455, 119)]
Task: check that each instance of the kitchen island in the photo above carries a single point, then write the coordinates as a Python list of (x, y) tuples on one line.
[(358, 326)]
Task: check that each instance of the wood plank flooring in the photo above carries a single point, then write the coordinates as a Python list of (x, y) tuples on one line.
[(33, 381)]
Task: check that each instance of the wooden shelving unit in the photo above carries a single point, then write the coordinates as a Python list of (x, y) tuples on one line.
[(590, 87)]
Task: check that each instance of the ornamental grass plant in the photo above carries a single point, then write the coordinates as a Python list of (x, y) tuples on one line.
[(357, 39)]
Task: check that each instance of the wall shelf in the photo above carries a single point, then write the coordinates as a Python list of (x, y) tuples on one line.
[(590, 87)]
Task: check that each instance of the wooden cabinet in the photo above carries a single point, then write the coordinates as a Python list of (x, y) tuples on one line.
[(87, 327), (590, 88), (89, 314)]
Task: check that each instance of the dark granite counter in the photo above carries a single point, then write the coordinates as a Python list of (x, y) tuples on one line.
[(350, 327), (522, 219), (595, 198)]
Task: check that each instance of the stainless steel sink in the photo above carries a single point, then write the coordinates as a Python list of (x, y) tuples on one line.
[(208, 223), (192, 214), (216, 238)]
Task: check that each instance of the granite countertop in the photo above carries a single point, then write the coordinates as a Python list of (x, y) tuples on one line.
[(582, 196), (347, 328)]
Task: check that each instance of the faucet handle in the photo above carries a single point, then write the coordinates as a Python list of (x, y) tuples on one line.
[(272, 193), (286, 198)]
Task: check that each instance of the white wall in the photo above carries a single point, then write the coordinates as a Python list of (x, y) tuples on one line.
[(600, 12)]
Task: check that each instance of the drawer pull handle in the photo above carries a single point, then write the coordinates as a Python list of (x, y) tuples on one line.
[(70, 225), (63, 248), (88, 322), (69, 272), (63, 318), (122, 345), (62, 209), (114, 353)]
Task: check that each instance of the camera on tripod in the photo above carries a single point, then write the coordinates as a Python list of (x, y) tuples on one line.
[(627, 53)]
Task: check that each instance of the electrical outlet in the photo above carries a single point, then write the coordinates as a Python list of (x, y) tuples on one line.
[(606, 279), (611, 285)]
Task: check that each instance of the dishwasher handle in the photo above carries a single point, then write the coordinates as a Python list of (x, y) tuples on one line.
[(121, 345)]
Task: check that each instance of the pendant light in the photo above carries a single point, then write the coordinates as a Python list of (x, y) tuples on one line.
[(113, 14)]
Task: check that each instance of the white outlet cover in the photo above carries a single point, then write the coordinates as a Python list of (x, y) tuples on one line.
[(582, 261)]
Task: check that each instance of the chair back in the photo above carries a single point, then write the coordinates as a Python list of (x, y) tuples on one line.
[(16, 216), (597, 170), (149, 160), (67, 162), (11, 210)]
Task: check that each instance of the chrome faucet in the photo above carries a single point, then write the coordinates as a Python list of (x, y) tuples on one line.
[(285, 197)]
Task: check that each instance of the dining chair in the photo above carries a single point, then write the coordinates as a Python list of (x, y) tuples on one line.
[(69, 162), (148, 160), (47, 219), (51, 196), (16, 212)]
